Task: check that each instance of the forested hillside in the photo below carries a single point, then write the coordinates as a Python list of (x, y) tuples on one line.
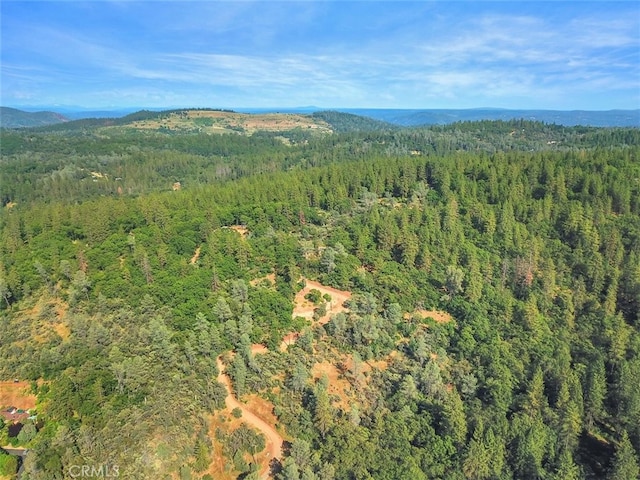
[(458, 302), (13, 118)]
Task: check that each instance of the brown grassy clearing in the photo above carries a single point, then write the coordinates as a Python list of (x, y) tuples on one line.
[(230, 122), (62, 329), (241, 229), (47, 317), (221, 468), (16, 394), (258, 348), (338, 385), (438, 315), (271, 278), (304, 308)]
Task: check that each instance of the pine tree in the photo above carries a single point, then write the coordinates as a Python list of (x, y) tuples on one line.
[(625, 463)]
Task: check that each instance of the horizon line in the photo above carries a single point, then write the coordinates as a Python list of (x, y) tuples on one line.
[(80, 108)]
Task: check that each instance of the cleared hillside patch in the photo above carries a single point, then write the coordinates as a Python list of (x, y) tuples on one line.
[(16, 394)]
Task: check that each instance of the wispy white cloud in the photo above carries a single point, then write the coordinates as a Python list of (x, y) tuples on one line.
[(301, 53)]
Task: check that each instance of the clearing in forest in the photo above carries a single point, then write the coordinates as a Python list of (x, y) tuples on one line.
[(240, 229), (345, 379), (304, 308), (43, 320), (338, 385), (214, 121), (271, 278), (257, 420), (258, 413), (16, 394), (438, 315), (196, 256)]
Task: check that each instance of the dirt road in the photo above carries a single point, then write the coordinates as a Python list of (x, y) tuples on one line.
[(274, 440), (302, 308)]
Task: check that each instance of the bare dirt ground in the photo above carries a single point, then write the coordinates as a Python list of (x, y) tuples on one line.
[(261, 407), (196, 256), (258, 348), (338, 385), (221, 467), (339, 370), (288, 339), (274, 440), (380, 364), (304, 308), (17, 395), (258, 413), (241, 229)]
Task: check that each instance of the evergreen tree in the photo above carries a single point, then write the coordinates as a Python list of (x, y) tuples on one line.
[(625, 462)]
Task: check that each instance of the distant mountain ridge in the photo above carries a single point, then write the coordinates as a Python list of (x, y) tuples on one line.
[(407, 118), (14, 118)]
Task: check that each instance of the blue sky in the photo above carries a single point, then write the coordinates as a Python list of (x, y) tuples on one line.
[(399, 54)]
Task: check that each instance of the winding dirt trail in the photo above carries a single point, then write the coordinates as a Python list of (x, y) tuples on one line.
[(274, 440), (302, 308)]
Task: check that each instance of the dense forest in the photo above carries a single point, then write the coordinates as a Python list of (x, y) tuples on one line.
[(491, 331)]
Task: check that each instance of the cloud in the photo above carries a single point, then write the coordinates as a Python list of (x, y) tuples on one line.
[(361, 54)]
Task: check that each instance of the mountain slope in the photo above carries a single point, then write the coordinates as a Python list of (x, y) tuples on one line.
[(202, 121), (610, 118), (342, 122), (14, 118)]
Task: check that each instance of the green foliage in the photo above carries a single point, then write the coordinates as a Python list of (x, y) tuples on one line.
[(347, 122), (8, 464), (530, 246), (625, 463), (313, 296), (27, 433)]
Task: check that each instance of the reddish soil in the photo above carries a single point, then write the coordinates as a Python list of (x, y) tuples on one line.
[(274, 440), (304, 308), (261, 407), (288, 339), (220, 467), (337, 385), (259, 348), (258, 413)]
